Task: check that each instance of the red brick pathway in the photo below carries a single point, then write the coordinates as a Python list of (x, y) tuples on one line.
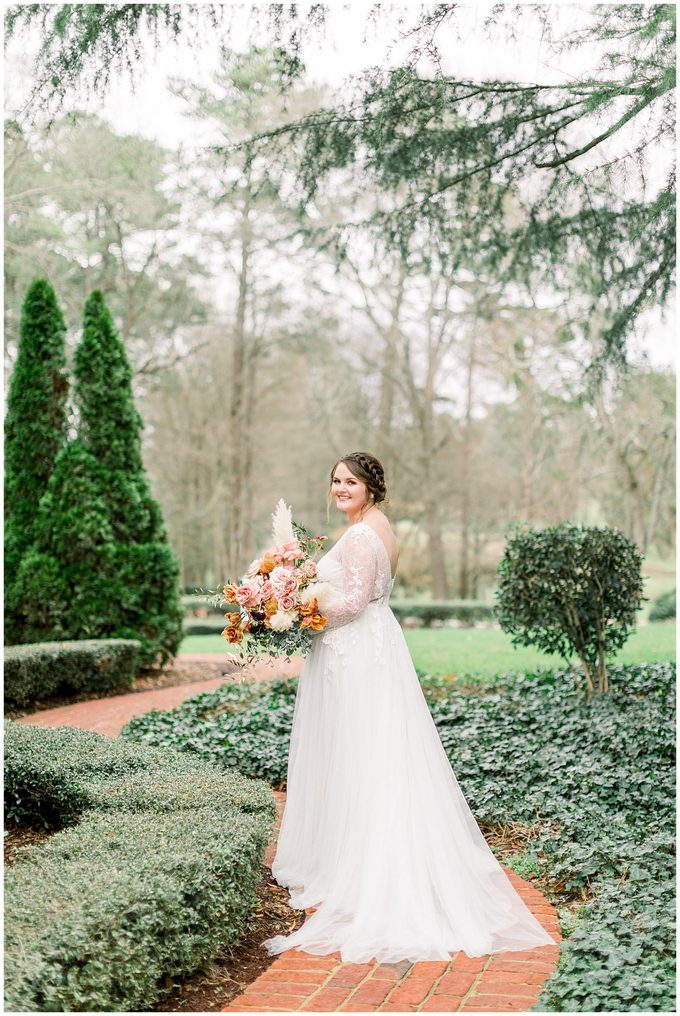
[(109, 715), (505, 982)]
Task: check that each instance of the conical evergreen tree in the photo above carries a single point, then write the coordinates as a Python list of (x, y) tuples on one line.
[(67, 583), (110, 431), (35, 430)]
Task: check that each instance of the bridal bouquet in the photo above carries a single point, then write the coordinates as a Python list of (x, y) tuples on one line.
[(279, 602)]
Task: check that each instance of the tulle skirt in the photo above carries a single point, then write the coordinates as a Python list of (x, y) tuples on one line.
[(376, 833)]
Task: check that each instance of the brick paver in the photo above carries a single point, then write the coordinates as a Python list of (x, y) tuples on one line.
[(301, 982), (109, 715), (505, 982)]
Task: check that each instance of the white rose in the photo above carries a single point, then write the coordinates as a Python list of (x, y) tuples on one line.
[(253, 568), (281, 620)]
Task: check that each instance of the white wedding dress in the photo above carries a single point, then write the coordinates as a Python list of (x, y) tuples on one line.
[(376, 833)]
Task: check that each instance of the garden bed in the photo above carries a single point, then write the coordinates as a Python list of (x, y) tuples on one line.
[(576, 795), (151, 868)]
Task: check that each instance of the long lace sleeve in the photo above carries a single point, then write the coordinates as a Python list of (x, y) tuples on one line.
[(359, 559)]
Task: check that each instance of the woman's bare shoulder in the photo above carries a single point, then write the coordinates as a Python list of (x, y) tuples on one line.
[(381, 524)]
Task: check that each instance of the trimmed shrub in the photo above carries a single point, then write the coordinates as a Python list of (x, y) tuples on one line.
[(100, 565), (38, 670), (467, 611), (35, 429), (67, 582), (663, 608), (110, 430), (159, 873), (571, 591), (436, 610)]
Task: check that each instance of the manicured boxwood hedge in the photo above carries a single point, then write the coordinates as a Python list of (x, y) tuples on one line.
[(595, 779), (155, 872), (427, 611), (663, 608), (40, 669)]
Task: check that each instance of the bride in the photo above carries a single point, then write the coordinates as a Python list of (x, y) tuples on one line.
[(376, 832)]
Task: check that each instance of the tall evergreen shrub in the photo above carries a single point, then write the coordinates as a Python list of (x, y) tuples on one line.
[(146, 571), (36, 426), (67, 581), (101, 566)]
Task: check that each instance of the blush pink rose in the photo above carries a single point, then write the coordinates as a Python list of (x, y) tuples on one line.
[(249, 594), (291, 550)]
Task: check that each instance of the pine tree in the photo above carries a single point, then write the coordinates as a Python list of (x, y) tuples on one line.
[(35, 429), (146, 569)]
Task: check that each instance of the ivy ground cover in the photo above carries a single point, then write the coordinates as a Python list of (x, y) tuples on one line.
[(592, 782)]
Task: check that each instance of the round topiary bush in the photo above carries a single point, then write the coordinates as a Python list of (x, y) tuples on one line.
[(571, 590)]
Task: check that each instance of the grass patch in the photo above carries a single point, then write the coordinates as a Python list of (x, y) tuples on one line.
[(485, 651)]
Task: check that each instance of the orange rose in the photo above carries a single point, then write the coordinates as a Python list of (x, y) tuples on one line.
[(233, 619), (232, 634), (229, 592), (311, 607), (268, 564), (317, 622), (270, 606)]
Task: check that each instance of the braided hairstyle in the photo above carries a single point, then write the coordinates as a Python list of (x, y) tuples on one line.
[(366, 468)]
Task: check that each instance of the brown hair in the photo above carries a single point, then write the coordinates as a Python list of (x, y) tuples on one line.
[(366, 468)]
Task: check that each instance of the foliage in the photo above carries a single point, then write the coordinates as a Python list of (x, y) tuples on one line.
[(113, 204), (244, 725), (145, 566), (663, 608), (487, 143), (100, 565), (595, 779), (38, 670), (592, 780), (66, 583), (570, 589), (101, 36), (105, 913), (35, 430)]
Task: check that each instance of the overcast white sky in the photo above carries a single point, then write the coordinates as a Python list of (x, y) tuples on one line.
[(152, 111)]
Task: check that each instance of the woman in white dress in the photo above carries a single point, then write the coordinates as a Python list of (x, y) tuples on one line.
[(376, 832)]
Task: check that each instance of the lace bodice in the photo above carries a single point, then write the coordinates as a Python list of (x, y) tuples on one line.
[(358, 566)]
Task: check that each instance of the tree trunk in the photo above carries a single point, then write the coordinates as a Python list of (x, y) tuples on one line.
[(237, 431), (465, 475), (659, 477)]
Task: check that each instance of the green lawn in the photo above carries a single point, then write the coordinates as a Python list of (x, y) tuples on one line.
[(485, 651)]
